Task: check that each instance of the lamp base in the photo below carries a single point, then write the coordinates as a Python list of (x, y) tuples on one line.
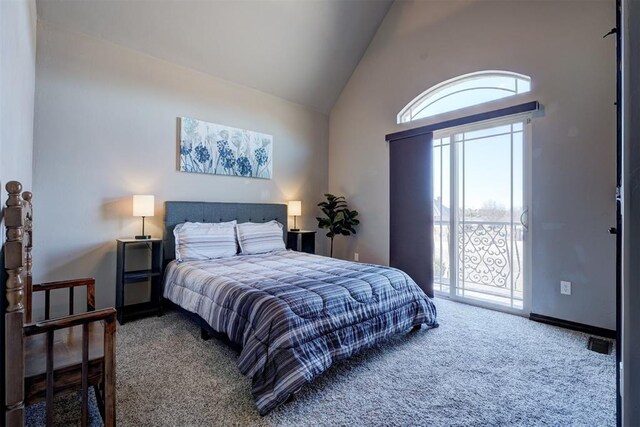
[(143, 237)]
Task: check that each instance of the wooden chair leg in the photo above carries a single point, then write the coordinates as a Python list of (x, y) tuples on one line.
[(110, 373), (49, 408), (85, 375), (110, 406)]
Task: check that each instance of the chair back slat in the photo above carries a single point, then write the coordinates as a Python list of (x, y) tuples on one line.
[(91, 297), (71, 301), (47, 304), (14, 263)]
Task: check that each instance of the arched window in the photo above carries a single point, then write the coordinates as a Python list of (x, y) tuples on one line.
[(465, 91)]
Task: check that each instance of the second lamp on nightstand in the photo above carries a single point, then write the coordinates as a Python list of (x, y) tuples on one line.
[(294, 209)]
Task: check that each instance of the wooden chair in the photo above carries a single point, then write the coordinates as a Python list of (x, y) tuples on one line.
[(53, 356)]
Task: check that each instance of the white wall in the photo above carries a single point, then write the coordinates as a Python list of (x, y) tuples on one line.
[(105, 128), (17, 86), (559, 44)]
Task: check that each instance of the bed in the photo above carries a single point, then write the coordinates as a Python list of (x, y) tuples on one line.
[(293, 314)]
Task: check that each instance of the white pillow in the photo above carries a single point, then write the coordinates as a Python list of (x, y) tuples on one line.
[(260, 238), (196, 241)]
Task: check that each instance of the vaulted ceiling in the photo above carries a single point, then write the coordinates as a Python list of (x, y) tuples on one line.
[(303, 51)]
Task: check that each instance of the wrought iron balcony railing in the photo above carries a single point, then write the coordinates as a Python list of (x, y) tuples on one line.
[(489, 254)]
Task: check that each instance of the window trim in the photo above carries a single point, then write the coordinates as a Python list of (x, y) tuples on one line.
[(531, 106), (461, 79)]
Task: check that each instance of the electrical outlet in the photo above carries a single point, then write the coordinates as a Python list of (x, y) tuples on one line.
[(356, 256), (565, 287)]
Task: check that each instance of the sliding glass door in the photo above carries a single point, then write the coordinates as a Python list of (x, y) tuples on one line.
[(481, 240)]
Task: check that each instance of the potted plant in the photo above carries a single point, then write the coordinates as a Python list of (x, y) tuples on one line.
[(338, 219)]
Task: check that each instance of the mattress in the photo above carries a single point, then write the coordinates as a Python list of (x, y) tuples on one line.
[(295, 314)]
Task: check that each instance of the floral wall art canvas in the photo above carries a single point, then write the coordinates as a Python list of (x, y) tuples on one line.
[(223, 150)]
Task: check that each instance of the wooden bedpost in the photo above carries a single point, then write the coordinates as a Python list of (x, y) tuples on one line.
[(14, 259)]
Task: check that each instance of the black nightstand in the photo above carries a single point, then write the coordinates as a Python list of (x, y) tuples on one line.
[(302, 241), (153, 274)]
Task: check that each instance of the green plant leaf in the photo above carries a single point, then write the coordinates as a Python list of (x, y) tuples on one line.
[(338, 219)]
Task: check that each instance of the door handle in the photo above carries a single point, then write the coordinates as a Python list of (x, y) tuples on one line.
[(613, 230), (525, 225)]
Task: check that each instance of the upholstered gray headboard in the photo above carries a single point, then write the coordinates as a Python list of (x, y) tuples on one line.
[(179, 212)]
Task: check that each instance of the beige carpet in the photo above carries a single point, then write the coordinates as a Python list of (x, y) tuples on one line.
[(480, 368)]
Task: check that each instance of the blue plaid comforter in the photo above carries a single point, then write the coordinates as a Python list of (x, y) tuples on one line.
[(295, 314)]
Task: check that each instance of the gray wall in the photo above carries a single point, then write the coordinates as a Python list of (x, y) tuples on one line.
[(560, 45), (105, 128), (17, 86), (631, 214)]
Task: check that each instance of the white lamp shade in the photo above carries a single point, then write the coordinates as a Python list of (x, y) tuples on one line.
[(143, 205), (294, 208)]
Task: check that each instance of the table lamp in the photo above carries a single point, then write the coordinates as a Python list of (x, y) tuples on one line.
[(143, 205), (295, 209)]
